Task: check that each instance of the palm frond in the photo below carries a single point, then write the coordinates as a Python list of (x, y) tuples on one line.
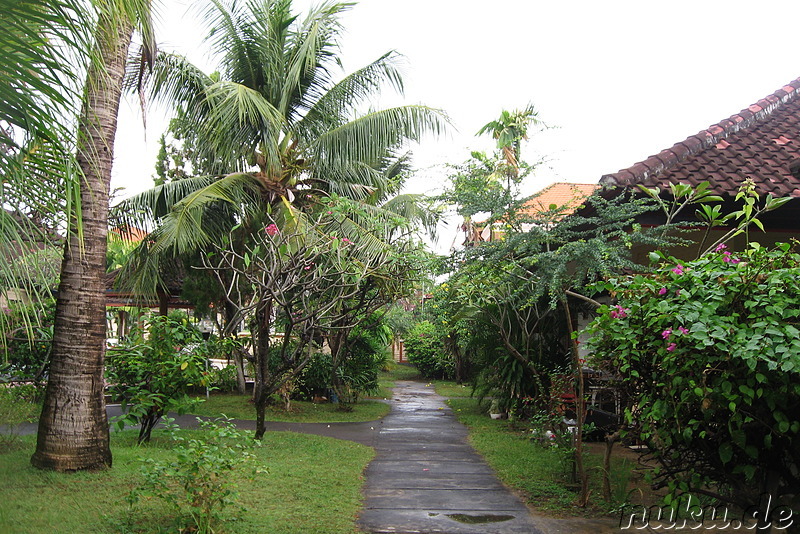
[(145, 209), (331, 108), (416, 209), (187, 228), (370, 137)]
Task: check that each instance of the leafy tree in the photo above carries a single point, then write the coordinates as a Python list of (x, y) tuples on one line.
[(154, 370), (293, 280), (709, 349)]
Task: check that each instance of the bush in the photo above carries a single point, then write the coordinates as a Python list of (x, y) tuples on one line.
[(154, 374), (366, 354), (710, 352), (197, 482), (28, 345), (425, 351)]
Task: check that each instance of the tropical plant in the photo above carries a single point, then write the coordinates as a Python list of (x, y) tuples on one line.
[(73, 429), (154, 371), (197, 483), (425, 350), (28, 347), (274, 120), (709, 351), (42, 47)]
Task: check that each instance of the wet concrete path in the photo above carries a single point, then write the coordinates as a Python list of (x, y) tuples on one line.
[(427, 478)]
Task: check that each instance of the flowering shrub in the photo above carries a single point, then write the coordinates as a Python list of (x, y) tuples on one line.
[(710, 351)]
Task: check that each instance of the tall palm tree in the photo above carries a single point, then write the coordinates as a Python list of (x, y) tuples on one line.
[(273, 120), (278, 135), (73, 428)]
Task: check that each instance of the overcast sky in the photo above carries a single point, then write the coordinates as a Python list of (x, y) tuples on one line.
[(616, 81)]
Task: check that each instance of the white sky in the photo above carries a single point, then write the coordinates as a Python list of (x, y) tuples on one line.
[(617, 81)]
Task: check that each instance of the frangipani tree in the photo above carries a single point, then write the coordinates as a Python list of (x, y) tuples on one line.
[(292, 278)]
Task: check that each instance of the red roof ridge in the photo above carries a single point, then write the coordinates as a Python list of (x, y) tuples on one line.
[(711, 136)]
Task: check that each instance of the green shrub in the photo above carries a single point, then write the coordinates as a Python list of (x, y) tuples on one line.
[(197, 482), (154, 373), (28, 345), (710, 352), (425, 351)]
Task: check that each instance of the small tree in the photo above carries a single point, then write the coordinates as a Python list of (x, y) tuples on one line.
[(292, 279), (154, 371)]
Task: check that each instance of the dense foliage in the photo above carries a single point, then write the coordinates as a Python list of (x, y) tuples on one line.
[(28, 345), (425, 350), (154, 370), (710, 351)]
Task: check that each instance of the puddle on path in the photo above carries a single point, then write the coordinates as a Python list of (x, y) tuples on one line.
[(477, 519)]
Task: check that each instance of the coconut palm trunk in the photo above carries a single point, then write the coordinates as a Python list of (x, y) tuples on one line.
[(73, 429)]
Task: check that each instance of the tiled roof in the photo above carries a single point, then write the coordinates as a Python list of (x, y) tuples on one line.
[(559, 194), (761, 142)]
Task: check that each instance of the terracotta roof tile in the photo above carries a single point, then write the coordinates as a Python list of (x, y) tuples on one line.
[(559, 194), (759, 142)]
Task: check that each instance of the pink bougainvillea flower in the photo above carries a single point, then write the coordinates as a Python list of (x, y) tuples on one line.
[(272, 229), (618, 312), (666, 333), (683, 330), (727, 258), (671, 347), (678, 269), (720, 247), (662, 291)]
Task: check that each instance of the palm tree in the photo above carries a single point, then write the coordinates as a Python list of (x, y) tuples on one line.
[(278, 136), (272, 121), (73, 428)]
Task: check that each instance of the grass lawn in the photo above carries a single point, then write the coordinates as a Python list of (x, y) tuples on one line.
[(239, 407), (540, 473), (300, 492)]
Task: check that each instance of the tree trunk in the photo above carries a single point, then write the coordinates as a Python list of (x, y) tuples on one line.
[(261, 344), (73, 429), (580, 412)]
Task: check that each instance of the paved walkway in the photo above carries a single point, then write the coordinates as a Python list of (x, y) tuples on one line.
[(427, 478)]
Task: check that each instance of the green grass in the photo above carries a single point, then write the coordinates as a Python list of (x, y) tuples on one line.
[(447, 388), (239, 407), (300, 492), (540, 473)]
